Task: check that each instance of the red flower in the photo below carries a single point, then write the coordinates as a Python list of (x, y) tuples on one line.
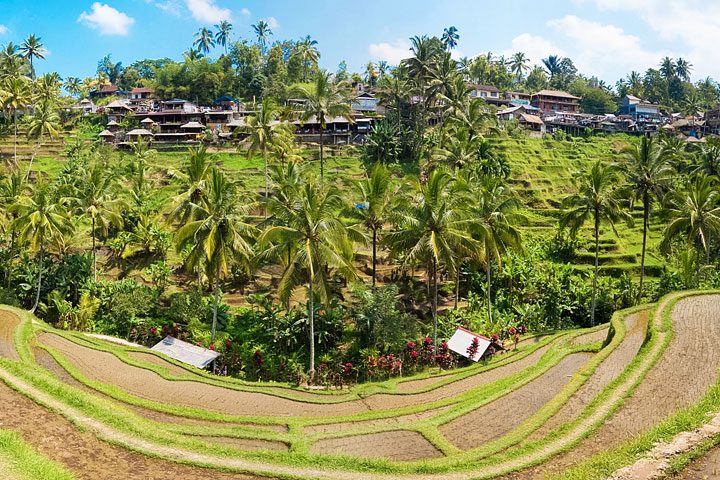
[(212, 346)]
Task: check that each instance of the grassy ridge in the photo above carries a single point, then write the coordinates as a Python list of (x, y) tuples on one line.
[(25, 463)]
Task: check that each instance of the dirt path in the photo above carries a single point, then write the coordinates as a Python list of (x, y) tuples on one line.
[(706, 467), (685, 371), (8, 322)]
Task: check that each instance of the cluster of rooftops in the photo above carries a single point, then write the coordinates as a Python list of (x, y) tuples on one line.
[(181, 121)]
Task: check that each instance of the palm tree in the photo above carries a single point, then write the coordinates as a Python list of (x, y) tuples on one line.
[(519, 65), (597, 199), (192, 55), (204, 40), (307, 51), (97, 199), (16, 95), (73, 85), (450, 38), (261, 128), (222, 36), (494, 218), (219, 236), (553, 66), (309, 233), (394, 90), (193, 184), (647, 172), (41, 220), (263, 33), (421, 64), (433, 229), (32, 48), (44, 121), (695, 215), (371, 74), (324, 101), (377, 197), (667, 68), (682, 69), (12, 187)]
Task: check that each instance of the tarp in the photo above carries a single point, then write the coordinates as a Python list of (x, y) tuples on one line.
[(185, 352), (463, 338)]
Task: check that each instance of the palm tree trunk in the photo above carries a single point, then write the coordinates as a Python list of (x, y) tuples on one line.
[(457, 285), (15, 160), (374, 257), (434, 303), (488, 275), (215, 304), (311, 318), (322, 159), (36, 147), (646, 217), (595, 272), (199, 278), (267, 181), (39, 283), (94, 253)]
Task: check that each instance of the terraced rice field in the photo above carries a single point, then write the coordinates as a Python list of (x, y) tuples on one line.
[(576, 404)]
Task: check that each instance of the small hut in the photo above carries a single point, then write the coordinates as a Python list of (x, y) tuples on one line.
[(136, 134), (107, 136), (113, 126)]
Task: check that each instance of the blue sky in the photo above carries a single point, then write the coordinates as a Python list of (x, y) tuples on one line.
[(606, 38)]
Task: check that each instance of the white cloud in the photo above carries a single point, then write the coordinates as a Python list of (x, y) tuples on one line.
[(601, 49), (206, 11), (3, 29), (272, 23), (691, 26), (393, 53), (107, 20), (246, 12), (170, 6), (535, 48)]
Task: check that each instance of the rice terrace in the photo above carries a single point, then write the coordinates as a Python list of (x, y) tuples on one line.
[(400, 240)]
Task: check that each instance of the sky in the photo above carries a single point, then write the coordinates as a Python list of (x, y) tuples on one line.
[(605, 38)]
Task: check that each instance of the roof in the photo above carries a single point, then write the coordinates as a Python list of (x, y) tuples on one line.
[(531, 118), (117, 104), (487, 88), (106, 133), (139, 132), (112, 123), (185, 352), (226, 98), (238, 122), (313, 120), (142, 90), (147, 120), (463, 338), (633, 98), (109, 89), (175, 101), (193, 125), (365, 95), (510, 110), (555, 93)]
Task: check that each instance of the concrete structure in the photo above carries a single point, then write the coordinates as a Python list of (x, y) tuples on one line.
[(555, 101)]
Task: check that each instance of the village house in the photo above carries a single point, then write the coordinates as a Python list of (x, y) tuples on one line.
[(517, 98), (526, 115), (489, 93), (365, 102), (639, 110), (85, 107), (107, 91), (555, 101)]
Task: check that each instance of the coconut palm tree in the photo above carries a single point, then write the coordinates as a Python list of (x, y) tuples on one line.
[(31, 49), (261, 128), (263, 33), (193, 184), (494, 214), (307, 51), (222, 36), (45, 121), (97, 198), (425, 53), (667, 68), (694, 215), (376, 196), (192, 55), (553, 66), (433, 229), (394, 90), (73, 85), (41, 220), (598, 199), (519, 65), (12, 187), (218, 237), (450, 37), (324, 101), (15, 95), (204, 40), (647, 172), (309, 233), (683, 69)]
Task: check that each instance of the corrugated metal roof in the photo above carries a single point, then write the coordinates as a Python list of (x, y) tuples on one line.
[(185, 352)]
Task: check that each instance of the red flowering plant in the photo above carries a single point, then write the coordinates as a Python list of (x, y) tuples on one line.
[(445, 358), (428, 351), (472, 350)]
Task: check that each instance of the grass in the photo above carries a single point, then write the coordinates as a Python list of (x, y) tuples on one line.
[(25, 463)]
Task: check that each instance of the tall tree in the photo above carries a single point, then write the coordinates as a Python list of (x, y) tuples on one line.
[(309, 233), (32, 48), (598, 199), (41, 221), (222, 35), (15, 95), (519, 65), (44, 121), (263, 34), (323, 101), (433, 230), (376, 195), (307, 51), (219, 236), (204, 40), (450, 37), (647, 172), (694, 215)]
